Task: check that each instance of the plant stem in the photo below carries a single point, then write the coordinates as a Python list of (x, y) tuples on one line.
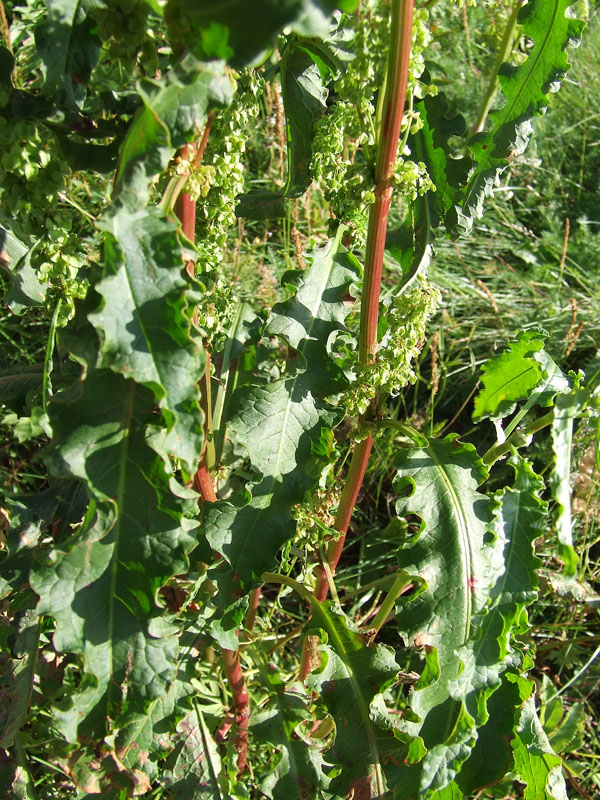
[(505, 49), (516, 439), (354, 479), (241, 703), (393, 111), (4, 27), (401, 584), (396, 82), (253, 608), (185, 209)]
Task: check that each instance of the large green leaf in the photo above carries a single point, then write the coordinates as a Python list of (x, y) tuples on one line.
[(144, 322), (525, 88), (352, 675), (246, 29), (351, 680), (304, 98), (431, 146), (510, 376), (492, 756), (102, 585), (68, 44), (280, 423), (197, 766), (454, 566), (519, 519)]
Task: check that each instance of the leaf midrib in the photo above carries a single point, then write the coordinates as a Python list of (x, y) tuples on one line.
[(363, 708), (119, 502)]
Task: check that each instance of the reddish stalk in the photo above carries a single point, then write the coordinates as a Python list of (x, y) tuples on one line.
[(393, 112), (253, 609), (241, 704), (185, 208)]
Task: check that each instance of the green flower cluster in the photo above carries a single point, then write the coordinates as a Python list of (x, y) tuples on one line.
[(411, 179), (220, 178), (216, 184), (405, 320), (345, 138), (344, 145), (33, 177), (123, 26), (315, 518)]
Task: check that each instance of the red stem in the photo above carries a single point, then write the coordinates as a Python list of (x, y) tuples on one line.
[(185, 208), (356, 472), (253, 608), (241, 703), (393, 112)]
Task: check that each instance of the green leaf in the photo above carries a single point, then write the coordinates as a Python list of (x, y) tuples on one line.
[(304, 98), (62, 504), (535, 762), (144, 739), (492, 756), (25, 290), (17, 681), (568, 735), (525, 88), (351, 679), (453, 565), (102, 585), (520, 517), (431, 146), (252, 28), (195, 773), (297, 771), (567, 407), (16, 381), (511, 376), (279, 423), (68, 44), (145, 324)]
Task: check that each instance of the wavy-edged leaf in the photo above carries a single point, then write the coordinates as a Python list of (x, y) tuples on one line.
[(298, 767), (101, 585), (525, 88), (492, 756), (350, 681), (453, 564), (431, 146), (144, 322), (511, 376), (567, 407), (279, 423), (518, 520), (68, 43), (535, 762), (304, 98)]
